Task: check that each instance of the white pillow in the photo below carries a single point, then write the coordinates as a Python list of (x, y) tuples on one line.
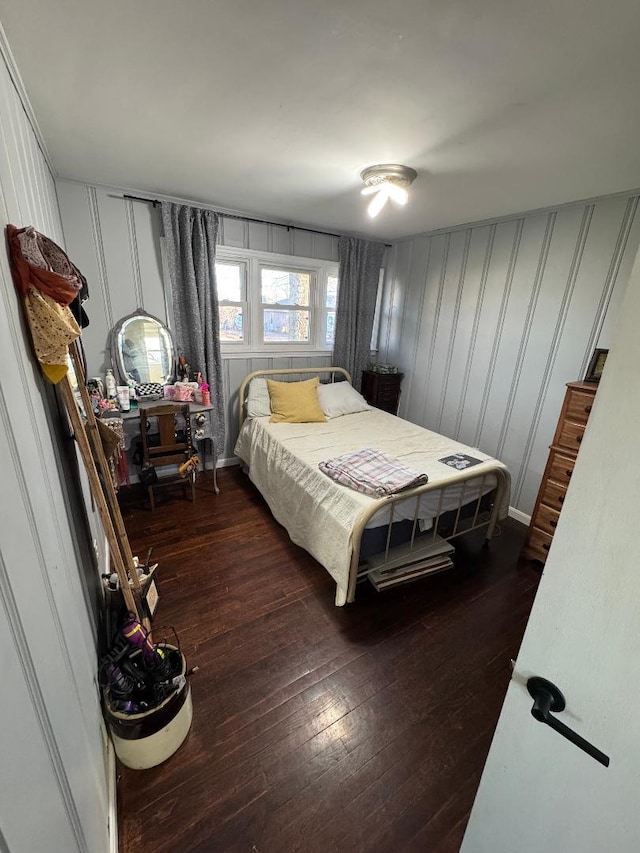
[(258, 401), (340, 398)]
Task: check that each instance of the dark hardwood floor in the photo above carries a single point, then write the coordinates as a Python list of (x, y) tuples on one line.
[(317, 728)]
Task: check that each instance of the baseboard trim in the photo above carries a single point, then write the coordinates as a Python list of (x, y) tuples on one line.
[(522, 517), (112, 794), (221, 463), (230, 462)]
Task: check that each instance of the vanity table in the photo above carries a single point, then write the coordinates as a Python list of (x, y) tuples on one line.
[(143, 353), (201, 430)]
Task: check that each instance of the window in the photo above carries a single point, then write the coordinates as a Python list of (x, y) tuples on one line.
[(232, 300), (285, 299), (273, 302)]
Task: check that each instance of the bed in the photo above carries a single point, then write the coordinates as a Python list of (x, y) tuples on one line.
[(332, 521)]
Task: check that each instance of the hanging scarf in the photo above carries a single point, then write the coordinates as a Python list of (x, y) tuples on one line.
[(48, 282)]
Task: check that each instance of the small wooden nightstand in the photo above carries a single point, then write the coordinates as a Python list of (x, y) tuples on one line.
[(382, 390)]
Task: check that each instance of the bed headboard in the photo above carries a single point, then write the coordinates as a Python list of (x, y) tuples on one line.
[(326, 374)]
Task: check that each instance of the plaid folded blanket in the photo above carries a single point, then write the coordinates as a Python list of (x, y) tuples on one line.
[(371, 472)]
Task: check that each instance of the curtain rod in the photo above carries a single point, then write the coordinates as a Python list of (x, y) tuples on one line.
[(155, 201)]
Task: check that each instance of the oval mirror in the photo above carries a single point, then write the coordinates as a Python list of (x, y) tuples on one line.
[(143, 349)]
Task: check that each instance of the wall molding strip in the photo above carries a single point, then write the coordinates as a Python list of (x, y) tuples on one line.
[(576, 260), (39, 705), (416, 343), (508, 217), (96, 230), (533, 301), (133, 251), (434, 334), (495, 349), (454, 325), (35, 536), (146, 196), (16, 79), (610, 281), (474, 329)]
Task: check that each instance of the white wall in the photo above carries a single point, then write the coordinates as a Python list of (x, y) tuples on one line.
[(115, 242), (53, 784), (488, 323)]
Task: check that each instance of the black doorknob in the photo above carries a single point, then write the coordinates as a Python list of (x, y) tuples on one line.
[(547, 698)]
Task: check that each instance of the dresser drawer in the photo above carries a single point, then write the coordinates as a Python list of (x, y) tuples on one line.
[(546, 519), (553, 494), (387, 395), (537, 547), (570, 435), (560, 467), (578, 407)]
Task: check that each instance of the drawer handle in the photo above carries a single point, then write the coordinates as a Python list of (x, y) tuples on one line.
[(560, 499), (553, 523), (568, 472), (579, 439), (588, 409), (545, 546)]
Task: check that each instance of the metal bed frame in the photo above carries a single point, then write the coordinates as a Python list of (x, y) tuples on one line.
[(418, 541)]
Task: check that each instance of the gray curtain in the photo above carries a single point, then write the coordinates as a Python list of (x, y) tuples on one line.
[(360, 262), (191, 235)]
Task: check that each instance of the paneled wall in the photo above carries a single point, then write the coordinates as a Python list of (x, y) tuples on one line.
[(488, 323), (53, 783), (115, 242)]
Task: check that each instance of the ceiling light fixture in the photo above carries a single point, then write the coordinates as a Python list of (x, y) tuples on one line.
[(384, 182)]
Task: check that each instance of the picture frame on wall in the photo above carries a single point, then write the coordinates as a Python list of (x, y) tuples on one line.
[(596, 365)]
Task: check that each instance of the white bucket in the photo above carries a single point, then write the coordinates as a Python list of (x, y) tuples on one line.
[(147, 739)]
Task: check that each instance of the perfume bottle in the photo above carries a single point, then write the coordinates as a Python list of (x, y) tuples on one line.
[(110, 384)]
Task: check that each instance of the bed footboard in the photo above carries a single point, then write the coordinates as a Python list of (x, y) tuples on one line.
[(491, 483)]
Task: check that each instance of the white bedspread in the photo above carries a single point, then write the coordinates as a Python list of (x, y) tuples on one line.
[(318, 513)]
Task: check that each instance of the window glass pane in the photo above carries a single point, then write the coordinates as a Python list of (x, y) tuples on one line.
[(291, 326), (330, 331), (231, 323), (332, 291), (284, 287), (229, 281)]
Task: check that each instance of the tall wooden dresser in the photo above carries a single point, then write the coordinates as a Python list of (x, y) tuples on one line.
[(562, 457)]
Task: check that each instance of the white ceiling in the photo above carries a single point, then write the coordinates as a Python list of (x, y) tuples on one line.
[(275, 107)]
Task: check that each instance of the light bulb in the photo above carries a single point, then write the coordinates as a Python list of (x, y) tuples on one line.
[(378, 201), (397, 194), (370, 189)]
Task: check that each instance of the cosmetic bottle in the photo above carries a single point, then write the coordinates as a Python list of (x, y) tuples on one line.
[(110, 384)]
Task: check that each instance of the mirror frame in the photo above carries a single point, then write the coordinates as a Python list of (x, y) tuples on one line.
[(117, 361)]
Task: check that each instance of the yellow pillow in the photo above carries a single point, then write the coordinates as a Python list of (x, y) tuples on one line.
[(295, 402)]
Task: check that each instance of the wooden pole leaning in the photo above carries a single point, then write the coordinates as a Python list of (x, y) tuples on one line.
[(103, 465), (98, 494)]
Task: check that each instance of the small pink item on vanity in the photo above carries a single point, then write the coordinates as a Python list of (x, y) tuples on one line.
[(168, 392), (206, 394), (182, 392)]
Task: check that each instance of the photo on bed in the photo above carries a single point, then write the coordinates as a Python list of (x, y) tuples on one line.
[(460, 461)]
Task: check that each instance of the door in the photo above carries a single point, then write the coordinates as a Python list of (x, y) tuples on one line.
[(539, 791)]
